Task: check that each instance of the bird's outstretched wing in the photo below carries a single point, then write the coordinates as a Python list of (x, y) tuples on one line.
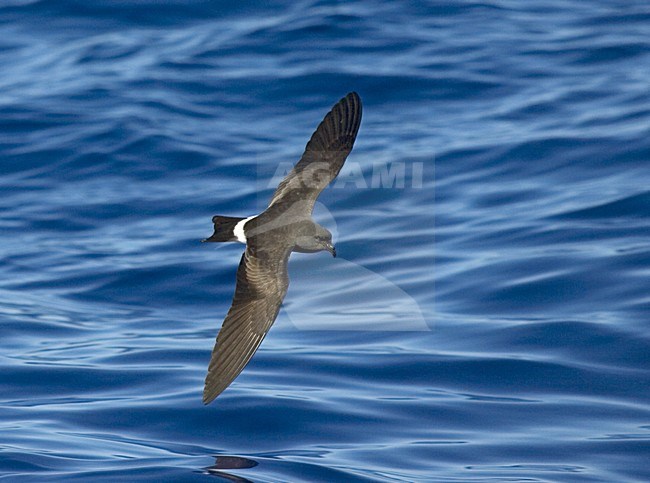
[(324, 154), (262, 283)]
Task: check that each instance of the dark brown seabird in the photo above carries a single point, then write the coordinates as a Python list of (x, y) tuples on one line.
[(285, 226)]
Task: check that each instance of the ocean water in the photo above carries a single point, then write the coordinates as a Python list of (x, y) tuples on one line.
[(487, 318)]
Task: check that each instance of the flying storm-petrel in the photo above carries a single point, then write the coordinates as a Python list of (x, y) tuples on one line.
[(285, 226)]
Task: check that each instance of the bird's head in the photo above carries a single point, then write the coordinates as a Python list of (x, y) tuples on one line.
[(317, 240)]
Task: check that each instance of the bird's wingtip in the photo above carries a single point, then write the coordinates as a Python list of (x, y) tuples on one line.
[(207, 399), (353, 95)]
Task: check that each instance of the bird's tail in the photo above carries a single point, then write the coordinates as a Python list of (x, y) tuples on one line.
[(224, 227)]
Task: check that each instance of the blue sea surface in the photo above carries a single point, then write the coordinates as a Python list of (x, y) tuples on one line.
[(488, 315)]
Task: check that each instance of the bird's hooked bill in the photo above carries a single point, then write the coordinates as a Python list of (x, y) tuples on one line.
[(331, 248)]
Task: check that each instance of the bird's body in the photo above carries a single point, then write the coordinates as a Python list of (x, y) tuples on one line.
[(270, 237)]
